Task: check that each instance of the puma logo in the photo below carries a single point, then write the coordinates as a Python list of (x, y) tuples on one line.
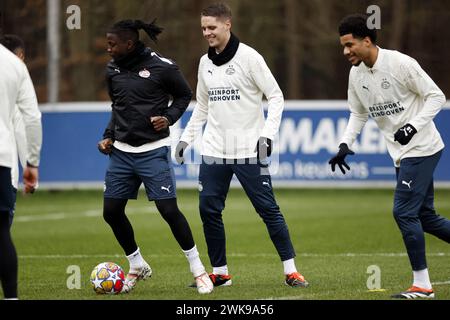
[(210, 71), (166, 188), (406, 130), (117, 70), (265, 183), (364, 87), (407, 183)]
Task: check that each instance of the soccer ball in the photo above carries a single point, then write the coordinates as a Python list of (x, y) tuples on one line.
[(107, 278)]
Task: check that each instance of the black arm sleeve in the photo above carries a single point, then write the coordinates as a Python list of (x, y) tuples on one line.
[(109, 131), (177, 86)]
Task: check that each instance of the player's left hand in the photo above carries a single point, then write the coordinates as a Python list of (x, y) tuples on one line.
[(263, 148), (159, 123), (405, 134)]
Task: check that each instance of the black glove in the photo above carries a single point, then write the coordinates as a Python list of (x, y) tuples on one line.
[(263, 148), (405, 134), (179, 150), (339, 158)]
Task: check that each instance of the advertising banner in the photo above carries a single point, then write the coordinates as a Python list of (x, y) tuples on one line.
[(308, 137)]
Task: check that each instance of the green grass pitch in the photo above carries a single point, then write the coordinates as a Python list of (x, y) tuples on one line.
[(337, 235)]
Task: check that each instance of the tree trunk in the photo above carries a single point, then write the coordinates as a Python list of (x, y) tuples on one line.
[(293, 50), (398, 24)]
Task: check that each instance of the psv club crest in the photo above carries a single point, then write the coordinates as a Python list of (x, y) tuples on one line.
[(144, 73), (230, 70), (385, 84)]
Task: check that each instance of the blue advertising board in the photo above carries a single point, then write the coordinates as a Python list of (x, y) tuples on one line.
[(308, 137)]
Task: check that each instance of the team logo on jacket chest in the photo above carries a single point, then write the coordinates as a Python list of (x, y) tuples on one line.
[(144, 73), (230, 70), (385, 84)]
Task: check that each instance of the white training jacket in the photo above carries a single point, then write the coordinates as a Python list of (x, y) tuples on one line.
[(229, 99), (16, 88), (19, 147), (394, 92)]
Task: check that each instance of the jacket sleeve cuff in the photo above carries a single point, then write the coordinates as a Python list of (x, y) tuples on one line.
[(32, 165), (169, 119)]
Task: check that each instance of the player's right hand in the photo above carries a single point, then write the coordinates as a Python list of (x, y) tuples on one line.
[(263, 148), (30, 179), (339, 158), (105, 145), (179, 151)]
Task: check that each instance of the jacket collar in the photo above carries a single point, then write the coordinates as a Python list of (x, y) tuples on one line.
[(133, 57), (227, 54), (378, 63)]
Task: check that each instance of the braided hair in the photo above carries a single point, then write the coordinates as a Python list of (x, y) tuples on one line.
[(129, 29)]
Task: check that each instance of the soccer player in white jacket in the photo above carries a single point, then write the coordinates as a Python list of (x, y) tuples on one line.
[(232, 79), (16, 88), (16, 45), (392, 89)]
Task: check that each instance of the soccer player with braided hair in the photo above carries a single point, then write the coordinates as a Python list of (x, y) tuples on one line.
[(141, 83)]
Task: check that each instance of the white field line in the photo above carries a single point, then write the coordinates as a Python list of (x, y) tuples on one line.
[(303, 298), (82, 214), (284, 298), (440, 283), (238, 255)]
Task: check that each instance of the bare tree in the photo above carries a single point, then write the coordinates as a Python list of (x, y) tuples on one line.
[(399, 14), (293, 49), (298, 39)]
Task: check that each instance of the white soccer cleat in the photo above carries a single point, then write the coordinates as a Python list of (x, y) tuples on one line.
[(134, 275), (204, 284)]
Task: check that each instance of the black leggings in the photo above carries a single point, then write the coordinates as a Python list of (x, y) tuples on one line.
[(8, 258), (114, 215)]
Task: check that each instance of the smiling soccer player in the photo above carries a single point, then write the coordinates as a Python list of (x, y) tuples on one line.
[(392, 89)]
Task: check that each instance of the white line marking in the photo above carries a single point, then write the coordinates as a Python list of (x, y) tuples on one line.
[(95, 106), (88, 214), (440, 283), (284, 298), (238, 255)]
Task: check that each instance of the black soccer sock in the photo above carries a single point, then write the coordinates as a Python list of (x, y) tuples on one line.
[(114, 215), (8, 259), (168, 209)]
